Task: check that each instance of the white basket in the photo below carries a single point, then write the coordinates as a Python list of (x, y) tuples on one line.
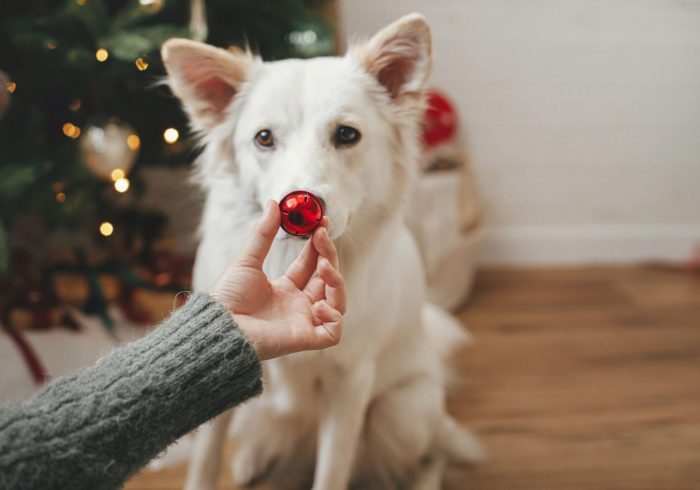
[(435, 214), (450, 282)]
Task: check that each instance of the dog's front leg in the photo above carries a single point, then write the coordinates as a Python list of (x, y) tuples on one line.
[(203, 471), (340, 426)]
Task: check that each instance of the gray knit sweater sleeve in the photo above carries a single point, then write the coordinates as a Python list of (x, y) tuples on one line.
[(96, 428)]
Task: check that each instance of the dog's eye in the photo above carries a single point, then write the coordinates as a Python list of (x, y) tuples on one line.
[(264, 138), (346, 136)]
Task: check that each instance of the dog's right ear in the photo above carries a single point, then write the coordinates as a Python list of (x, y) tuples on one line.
[(205, 78)]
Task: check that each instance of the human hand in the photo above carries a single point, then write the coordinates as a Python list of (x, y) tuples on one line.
[(302, 310)]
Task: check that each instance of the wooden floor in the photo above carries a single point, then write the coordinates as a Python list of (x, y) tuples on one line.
[(579, 379)]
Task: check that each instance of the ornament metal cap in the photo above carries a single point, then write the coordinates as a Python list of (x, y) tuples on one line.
[(301, 213)]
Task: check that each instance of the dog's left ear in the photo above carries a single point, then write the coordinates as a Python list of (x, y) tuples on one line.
[(399, 56), (205, 78)]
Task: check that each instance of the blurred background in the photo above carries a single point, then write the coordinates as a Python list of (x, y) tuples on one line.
[(559, 217)]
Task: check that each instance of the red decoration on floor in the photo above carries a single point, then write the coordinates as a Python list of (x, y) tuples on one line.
[(34, 364), (440, 122), (301, 213)]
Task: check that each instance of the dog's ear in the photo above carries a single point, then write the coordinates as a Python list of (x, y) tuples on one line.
[(205, 78), (399, 56)]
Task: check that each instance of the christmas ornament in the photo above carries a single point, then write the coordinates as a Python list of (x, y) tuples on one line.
[(309, 39), (301, 213), (105, 148), (151, 7), (440, 122), (5, 93)]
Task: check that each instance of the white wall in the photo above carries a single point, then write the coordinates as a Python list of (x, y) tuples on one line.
[(582, 118)]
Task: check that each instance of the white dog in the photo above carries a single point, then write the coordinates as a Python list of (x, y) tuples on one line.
[(369, 412)]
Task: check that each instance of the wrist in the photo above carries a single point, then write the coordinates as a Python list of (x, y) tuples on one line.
[(248, 326)]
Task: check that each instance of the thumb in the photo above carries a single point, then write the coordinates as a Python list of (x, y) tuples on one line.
[(260, 240)]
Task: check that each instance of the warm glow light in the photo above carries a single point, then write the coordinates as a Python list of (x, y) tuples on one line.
[(102, 54), (80, 2), (117, 174), (106, 228), (51, 45), (171, 135), (122, 185), (141, 64), (71, 130), (11, 87), (75, 105), (60, 197), (133, 141)]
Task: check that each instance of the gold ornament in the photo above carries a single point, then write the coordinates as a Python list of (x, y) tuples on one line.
[(151, 6), (106, 151)]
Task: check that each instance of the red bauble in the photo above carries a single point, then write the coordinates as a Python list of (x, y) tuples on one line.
[(440, 122), (301, 213)]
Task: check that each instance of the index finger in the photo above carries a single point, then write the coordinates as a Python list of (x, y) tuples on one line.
[(325, 247)]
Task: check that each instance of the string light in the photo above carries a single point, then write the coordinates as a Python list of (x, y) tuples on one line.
[(171, 135), (141, 64), (11, 87), (60, 197), (71, 130), (133, 142), (106, 228), (117, 174), (122, 185), (101, 54), (75, 105)]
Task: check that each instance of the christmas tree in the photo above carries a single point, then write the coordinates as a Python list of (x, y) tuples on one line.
[(82, 116), (81, 113)]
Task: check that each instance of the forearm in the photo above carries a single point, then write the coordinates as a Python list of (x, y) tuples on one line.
[(94, 429)]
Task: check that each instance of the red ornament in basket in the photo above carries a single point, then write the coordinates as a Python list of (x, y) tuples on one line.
[(440, 122)]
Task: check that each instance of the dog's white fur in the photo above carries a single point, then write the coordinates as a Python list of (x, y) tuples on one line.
[(369, 412)]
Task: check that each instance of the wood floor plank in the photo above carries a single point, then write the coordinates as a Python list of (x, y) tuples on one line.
[(579, 379)]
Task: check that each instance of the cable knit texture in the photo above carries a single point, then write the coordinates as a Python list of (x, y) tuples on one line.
[(94, 429)]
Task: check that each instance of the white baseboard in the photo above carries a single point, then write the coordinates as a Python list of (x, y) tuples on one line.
[(588, 244)]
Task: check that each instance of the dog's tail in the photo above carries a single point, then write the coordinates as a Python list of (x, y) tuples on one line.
[(455, 443), (444, 331), (458, 444)]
